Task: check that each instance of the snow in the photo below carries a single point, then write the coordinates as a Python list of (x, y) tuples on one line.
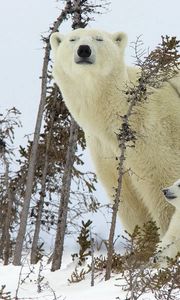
[(55, 285), (57, 282)]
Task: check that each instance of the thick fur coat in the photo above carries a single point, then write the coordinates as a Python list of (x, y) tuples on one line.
[(90, 70), (170, 244)]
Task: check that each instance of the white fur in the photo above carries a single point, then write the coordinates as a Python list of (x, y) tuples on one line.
[(171, 241), (94, 94)]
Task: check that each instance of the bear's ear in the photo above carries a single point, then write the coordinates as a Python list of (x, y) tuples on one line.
[(120, 38), (55, 39)]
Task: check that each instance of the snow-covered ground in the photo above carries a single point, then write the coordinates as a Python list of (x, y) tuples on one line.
[(22, 283), (55, 284)]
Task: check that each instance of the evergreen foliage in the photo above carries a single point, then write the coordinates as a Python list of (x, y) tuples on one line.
[(84, 243)]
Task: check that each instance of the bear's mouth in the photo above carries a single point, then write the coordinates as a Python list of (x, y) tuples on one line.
[(170, 197), (84, 62)]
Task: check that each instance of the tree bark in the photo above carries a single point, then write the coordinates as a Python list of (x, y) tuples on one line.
[(114, 214), (65, 193), (7, 222), (32, 164), (66, 181), (33, 156), (126, 136), (43, 186)]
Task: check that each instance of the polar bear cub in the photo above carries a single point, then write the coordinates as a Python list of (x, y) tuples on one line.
[(171, 241)]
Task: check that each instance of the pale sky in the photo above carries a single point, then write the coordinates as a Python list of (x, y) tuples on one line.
[(22, 22)]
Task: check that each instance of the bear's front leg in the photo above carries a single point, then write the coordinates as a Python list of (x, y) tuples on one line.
[(170, 245), (132, 211)]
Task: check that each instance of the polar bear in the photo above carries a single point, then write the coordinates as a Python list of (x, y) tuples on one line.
[(170, 244), (90, 69)]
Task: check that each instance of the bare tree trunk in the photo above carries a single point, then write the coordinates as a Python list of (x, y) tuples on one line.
[(114, 214), (125, 136), (43, 187), (32, 164), (92, 259), (8, 216), (65, 192), (66, 181), (33, 156)]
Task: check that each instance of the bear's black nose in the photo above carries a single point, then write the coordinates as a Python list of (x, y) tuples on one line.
[(84, 51), (165, 191)]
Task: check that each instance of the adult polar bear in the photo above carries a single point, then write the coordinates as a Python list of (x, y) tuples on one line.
[(90, 70)]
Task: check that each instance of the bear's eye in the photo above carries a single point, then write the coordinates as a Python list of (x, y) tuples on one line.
[(99, 39), (72, 40), (179, 185)]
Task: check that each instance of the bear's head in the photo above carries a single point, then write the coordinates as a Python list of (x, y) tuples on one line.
[(172, 194), (87, 51)]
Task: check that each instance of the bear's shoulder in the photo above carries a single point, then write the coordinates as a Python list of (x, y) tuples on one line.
[(133, 73)]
